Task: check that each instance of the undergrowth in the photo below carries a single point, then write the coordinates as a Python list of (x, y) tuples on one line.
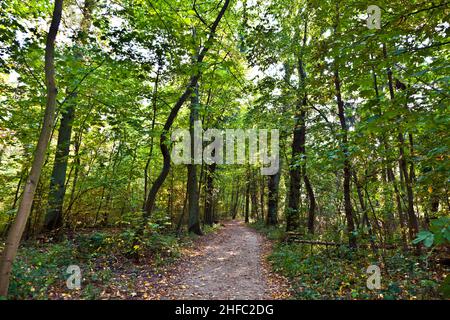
[(40, 268), (319, 272)]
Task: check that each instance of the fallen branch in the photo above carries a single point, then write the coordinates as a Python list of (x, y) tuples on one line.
[(293, 238)]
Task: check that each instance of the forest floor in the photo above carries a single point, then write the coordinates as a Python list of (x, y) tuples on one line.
[(231, 261), (319, 272), (229, 264)]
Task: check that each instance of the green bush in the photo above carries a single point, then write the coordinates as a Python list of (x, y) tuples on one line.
[(37, 268), (272, 232), (339, 273), (439, 233)]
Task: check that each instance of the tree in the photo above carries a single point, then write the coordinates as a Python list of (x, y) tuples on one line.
[(192, 182), (174, 111), (344, 146), (210, 194), (53, 219), (16, 231), (273, 185)]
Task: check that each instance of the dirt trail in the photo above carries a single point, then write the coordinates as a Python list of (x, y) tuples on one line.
[(229, 267)]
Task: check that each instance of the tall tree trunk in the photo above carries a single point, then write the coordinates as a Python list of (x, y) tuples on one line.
[(192, 182), (312, 202), (261, 196), (183, 212), (247, 202), (16, 231), (292, 214), (302, 134), (231, 203), (209, 194), (273, 186), (53, 219), (344, 146), (236, 202), (412, 174), (347, 170), (253, 196), (299, 151), (151, 199)]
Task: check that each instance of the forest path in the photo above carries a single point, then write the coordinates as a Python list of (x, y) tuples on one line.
[(230, 265)]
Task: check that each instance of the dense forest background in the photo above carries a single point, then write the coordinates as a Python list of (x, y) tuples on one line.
[(90, 91)]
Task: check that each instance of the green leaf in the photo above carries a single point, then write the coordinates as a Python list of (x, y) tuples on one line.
[(428, 242), (426, 237)]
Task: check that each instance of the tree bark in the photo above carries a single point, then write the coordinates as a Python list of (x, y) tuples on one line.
[(247, 202), (299, 150), (192, 180), (292, 214), (261, 196), (273, 186), (253, 196), (53, 219), (236, 202), (312, 203), (209, 194), (183, 212)]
